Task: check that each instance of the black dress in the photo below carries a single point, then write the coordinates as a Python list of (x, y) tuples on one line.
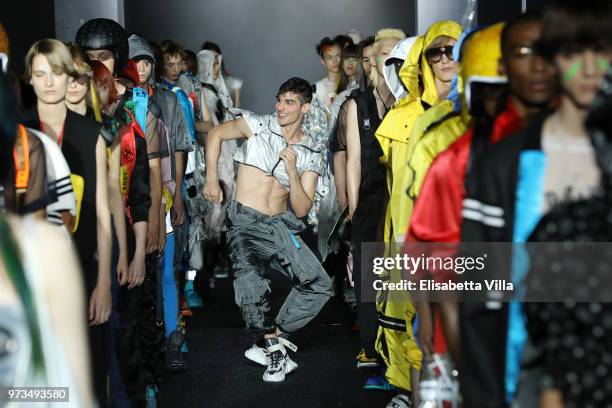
[(80, 136)]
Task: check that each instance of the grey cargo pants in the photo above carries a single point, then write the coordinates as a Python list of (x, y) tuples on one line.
[(258, 244)]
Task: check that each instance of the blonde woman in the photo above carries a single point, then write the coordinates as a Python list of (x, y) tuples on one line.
[(49, 69)]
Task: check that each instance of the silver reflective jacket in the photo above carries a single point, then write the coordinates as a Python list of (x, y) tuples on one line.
[(263, 149)]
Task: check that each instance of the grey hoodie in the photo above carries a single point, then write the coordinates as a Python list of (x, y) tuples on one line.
[(172, 114), (139, 47)]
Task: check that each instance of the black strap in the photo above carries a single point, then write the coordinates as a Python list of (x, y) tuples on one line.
[(392, 323)]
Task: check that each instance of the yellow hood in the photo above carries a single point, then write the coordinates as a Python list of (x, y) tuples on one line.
[(480, 60), (409, 73), (447, 28), (397, 124)]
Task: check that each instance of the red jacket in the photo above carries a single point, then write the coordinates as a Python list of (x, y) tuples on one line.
[(436, 216), (437, 212)]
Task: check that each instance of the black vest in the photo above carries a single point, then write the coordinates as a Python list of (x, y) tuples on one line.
[(373, 173), (79, 149)]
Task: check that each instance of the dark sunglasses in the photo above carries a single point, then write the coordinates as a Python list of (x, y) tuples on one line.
[(435, 54), (83, 79)]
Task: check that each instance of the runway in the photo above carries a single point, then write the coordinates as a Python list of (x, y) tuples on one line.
[(219, 376)]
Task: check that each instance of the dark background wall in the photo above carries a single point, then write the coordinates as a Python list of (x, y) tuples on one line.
[(25, 24), (71, 14), (537, 4), (265, 42), (490, 12)]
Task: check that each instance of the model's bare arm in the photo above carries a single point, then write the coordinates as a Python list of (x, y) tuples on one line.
[(100, 301), (205, 123), (340, 178), (301, 188), (178, 206), (353, 158), (234, 129), (117, 212), (301, 193), (154, 211)]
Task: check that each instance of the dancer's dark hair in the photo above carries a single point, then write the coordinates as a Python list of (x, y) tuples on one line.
[(297, 86)]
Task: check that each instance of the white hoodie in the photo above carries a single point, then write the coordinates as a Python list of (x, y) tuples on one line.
[(400, 51), (206, 58)]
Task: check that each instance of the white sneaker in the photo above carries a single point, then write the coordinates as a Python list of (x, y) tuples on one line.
[(258, 355), (261, 356), (401, 401), (280, 362), (220, 272)]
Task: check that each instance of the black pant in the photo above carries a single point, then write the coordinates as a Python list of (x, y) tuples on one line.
[(140, 337), (366, 227), (483, 354), (96, 336)]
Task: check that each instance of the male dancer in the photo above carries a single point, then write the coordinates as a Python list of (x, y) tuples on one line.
[(279, 164)]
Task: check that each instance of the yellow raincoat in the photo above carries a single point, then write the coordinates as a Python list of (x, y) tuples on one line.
[(394, 133), (480, 63), (395, 341)]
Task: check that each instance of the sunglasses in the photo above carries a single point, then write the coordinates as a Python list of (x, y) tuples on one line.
[(82, 79), (435, 54)]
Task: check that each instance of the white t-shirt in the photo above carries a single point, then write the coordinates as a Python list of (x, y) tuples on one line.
[(326, 91)]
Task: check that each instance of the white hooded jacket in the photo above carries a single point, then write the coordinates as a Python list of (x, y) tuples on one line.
[(400, 52), (206, 58)]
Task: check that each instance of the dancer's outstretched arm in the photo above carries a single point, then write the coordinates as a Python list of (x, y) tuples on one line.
[(234, 129)]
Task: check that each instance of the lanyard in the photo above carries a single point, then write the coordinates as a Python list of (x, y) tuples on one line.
[(21, 155)]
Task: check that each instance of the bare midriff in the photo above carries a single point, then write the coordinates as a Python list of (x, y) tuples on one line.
[(255, 189)]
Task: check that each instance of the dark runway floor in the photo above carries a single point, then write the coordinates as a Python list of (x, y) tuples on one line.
[(219, 376)]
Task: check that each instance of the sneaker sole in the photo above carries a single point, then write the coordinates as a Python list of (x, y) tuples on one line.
[(256, 357), (367, 365), (379, 387), (291, 366), (177, 367)]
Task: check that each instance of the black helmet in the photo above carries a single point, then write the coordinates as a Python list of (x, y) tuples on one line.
[(105, 34)]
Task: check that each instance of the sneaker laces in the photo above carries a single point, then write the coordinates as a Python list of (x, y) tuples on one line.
[(277, 355), (276, 360), (400, 401)]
